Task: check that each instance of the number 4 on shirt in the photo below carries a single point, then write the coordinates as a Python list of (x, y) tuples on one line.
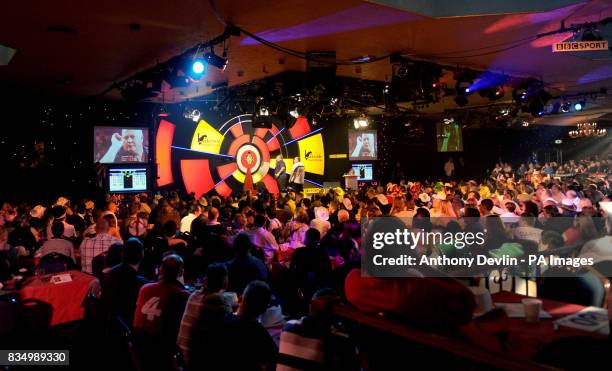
[(150, 308)]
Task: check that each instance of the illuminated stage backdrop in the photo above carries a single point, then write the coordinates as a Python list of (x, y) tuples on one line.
[(205, 156)]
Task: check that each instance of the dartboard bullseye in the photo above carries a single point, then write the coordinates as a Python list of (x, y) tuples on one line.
[(248, 158)]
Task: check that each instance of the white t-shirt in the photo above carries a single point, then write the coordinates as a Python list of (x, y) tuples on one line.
[(599, 249), (69, 230), (186, 222)]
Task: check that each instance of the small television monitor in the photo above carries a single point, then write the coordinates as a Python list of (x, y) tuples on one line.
[(120, 145), (364, 172), (449, 137), (127, 180), (362, 145)]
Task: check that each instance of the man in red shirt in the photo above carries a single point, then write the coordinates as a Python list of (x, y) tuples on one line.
[(158, 313)]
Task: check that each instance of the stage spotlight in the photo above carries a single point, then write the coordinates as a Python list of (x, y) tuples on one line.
[(215, 60), (565, 107), (361, 122), (195, 115), (263, 111), (197, 69), (578, 106)]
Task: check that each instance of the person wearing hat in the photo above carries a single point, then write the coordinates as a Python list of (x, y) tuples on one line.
[(58, 213), (423, 200), (321, 220), (568, 208)]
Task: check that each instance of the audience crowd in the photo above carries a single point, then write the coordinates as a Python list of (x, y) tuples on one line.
[(190, 275)]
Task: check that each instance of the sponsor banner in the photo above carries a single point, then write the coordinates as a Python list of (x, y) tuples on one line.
[(312, 154), (206, 138)]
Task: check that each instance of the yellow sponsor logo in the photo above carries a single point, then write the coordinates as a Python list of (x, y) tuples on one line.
[(312, 154), (206, 138)]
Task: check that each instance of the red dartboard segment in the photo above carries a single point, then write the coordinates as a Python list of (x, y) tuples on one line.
[(236, 130), (263, 148), (271, 184), (273, 144), (223, 189), (163, 152), (261, 132), (300, 128), (197, 177), (226, 170), (237, 143)]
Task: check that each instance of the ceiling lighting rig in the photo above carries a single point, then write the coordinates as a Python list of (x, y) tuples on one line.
[(178, 71)]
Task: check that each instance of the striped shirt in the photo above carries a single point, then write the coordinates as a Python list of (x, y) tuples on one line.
[(191, 316), (94, 246)]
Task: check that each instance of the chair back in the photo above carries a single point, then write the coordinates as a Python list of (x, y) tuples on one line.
[(35, 315), (53, 263)]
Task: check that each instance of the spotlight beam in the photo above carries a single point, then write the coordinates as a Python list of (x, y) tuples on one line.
[(223, 180), (275, 135), (313, 182), (302, 137)]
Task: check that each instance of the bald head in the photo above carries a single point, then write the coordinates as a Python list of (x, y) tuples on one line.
[(343, 216)]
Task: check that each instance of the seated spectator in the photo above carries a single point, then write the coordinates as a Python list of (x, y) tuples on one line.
[(526, 229), (583, 230), (263, 240), (122, 283), (215, 284), (314, 343), (310, 265), (321, 220), (159, 309), (237, 342), (102, 263), (59, 214), (93, 246), (194, 212), (8, 256), (244, 268), (57, 244), (550, 240), (295, 230)]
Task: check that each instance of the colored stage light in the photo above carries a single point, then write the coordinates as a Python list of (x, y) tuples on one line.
[(197, 68), (578, 106)]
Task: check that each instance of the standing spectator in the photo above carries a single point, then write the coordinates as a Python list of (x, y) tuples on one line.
[(122, 283), (244, 268)]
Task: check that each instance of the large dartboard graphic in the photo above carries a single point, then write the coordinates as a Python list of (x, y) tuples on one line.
[(205, 157)]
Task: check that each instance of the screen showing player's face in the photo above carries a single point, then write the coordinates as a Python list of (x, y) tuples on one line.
[(366, 142), (132, 141)]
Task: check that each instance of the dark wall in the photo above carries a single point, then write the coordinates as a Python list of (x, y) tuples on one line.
[(65, 128)]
